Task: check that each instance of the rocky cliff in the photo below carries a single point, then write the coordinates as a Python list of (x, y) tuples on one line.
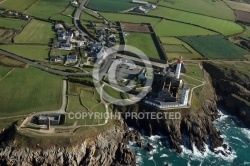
[(232, 82), (109, 148), (194, 128)]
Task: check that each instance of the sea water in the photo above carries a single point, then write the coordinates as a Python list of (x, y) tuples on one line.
[(233, 132)]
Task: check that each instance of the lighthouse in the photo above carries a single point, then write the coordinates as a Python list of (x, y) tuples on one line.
[(178, 68)]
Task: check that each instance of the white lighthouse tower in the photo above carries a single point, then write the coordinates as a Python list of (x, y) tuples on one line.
[(184, 96), (178, 68)]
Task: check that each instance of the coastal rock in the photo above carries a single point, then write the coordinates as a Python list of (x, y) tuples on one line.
[(106, 149)]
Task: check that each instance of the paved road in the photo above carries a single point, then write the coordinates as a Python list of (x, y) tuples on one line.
[(77, 16)]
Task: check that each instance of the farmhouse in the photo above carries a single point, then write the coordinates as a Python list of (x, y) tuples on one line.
[(56, 58), (71, 58), (94, 49), (49, 119), (59, 27)]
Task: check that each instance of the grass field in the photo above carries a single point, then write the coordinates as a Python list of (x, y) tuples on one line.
[(113, 93), (47, 8), (4, 71), (83, 99), (162, 27), (176, 48), (37, 53), (6, 35), (166, 41), (238, 5), (216, 47), (60, 17), (5, 61), (31, 90), (129, 18), (17, 4), (36, 32), (12, 23), (172, 28), (246, 33), (217, 9), (144, 42), (222, 26), (111, 5), (87, 17)]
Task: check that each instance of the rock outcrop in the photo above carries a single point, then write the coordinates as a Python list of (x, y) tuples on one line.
[(109, 148), (234, 87)]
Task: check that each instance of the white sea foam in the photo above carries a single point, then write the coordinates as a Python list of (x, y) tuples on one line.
[(200, 156), (246, 132), (151, 158), (237, 138), (164, 155)]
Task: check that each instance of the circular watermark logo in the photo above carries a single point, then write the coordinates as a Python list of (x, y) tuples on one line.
[(122, 75)]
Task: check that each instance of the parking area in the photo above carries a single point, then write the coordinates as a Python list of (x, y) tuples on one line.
[(123, 70)]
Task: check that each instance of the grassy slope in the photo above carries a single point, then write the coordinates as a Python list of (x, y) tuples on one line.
[(144, 42), (12, 23), (222, 26), (38, 53), (206, 7), (31, 90), (111, 5), (47, 8), (17, 4), (35, 32), (216, 47)]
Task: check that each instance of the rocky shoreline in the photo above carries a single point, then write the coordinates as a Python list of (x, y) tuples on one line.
[(234, 88), (109, 148)]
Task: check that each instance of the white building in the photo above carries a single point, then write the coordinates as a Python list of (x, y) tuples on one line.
[(178, 68), (184, 96)]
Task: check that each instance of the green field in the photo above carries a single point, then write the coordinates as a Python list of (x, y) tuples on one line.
[(63, 18), (37, 53), (217, 9), (111, 5), (17, 4), (31, 90), (87, 17), (222, 26), (238, 6), (216, 47), (176, 48), (4, 71), (12, 23), (83, 99), (161, 27), (129, 18), (143, 42), (47, 8), (172, 28), (166, 41), (36, 32), (246, 34), (114, 93)]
